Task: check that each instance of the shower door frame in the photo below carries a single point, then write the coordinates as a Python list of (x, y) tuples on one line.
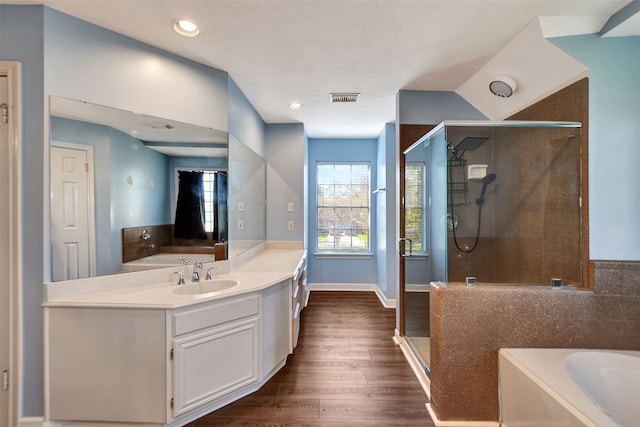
[(408, 135)]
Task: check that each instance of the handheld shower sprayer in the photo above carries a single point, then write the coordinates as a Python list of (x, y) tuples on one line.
[(485, 183)]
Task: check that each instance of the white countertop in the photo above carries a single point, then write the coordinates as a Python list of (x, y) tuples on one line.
[(129, 290)]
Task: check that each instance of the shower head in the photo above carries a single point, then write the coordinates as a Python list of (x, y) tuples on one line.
[(485, 182), (470, 143)]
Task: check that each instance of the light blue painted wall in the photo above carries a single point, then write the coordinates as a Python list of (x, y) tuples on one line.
[(21, 39), (284, 153), (146, 201), (433, 107), (387, 273), (614, 142), (347, 269), (244, 121)]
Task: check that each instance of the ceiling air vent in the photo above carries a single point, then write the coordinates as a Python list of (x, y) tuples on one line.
[(159, 125), (344, 97)]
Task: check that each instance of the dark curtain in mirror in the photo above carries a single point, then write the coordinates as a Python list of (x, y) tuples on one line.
[(220, 232), (190, 214)]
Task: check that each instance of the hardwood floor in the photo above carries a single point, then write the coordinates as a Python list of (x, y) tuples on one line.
[(346, 371)]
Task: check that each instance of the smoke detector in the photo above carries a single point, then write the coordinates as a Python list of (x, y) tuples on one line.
[(503, 86), (343, 97)]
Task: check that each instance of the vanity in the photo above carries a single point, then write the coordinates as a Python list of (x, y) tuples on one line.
[(139, 348)]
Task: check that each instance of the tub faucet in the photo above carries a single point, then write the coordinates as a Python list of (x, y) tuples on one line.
[(195, 276)]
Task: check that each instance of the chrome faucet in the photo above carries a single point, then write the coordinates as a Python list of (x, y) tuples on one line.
[(180, 277), (209, 274), (195, 276)]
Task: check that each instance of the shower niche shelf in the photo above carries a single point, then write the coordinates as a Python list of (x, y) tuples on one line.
[(457, 185)]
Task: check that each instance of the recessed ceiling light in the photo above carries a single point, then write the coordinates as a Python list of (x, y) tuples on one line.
[(186, 28), (296, 106)]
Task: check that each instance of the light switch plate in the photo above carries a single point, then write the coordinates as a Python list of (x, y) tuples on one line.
[(240, 224), (290, 207), (290, 226), (240, 206)]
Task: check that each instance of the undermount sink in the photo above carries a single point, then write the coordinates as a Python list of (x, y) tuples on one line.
[(206, 287)]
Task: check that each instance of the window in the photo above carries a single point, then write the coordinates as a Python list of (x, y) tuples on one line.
[(208, 181), (343, 207), (414, 196)]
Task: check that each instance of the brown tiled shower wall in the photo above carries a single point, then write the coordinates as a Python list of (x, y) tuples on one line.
[(531, 224), (470, 324)]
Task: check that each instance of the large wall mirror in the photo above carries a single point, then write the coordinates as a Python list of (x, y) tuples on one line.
[(131, 191)]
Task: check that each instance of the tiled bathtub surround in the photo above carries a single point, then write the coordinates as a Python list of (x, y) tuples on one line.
[(470, 324)]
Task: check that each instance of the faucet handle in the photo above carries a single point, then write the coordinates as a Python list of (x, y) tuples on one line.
[(209, 274), (180, 277), (183, 260)]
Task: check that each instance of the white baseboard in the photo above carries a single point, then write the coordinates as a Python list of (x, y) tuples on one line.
[(31, 422), (386, 302), (354, 287), (347, 287)]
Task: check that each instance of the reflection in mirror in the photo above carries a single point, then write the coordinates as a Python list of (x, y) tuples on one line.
[(247, 198), (120, 215)]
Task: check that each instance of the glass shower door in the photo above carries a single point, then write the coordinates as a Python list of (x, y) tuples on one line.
[(414, 256)]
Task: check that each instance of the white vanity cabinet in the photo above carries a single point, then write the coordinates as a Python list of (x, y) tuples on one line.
[(147, 365), (299, 299), (148, 356), (215, 351), (106, 364), (163, 366)]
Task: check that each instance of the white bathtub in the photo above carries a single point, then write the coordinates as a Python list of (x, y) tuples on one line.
[(569, 387), (164, 260)]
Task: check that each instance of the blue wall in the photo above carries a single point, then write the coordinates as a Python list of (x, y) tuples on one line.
[(21, 39), (340, 269), (146, 201), (386, 215), (244, 121), (614, 142), (284, 153)]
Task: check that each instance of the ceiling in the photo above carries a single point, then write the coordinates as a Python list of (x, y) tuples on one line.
[(284, 51)]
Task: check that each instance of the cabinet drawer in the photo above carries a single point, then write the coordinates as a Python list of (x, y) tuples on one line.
[(214, 313)]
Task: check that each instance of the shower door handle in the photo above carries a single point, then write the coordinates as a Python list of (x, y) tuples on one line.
[(403, 246)]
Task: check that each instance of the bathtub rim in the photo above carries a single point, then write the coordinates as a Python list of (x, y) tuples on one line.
[(546, 368)]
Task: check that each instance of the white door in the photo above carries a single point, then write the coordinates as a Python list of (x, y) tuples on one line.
[(5, 285), (70, 213)]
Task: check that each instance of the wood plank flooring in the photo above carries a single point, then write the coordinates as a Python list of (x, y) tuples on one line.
[(346, 371)]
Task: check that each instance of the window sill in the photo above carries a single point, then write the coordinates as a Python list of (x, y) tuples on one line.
[(342, 255)]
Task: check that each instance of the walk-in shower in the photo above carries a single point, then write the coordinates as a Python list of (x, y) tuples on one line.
[(500, 201)]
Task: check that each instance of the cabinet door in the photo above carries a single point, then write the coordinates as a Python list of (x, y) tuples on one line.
[(213, 363)]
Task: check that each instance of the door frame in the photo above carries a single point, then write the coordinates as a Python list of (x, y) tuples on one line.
[(12, 70), (91, 220)]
